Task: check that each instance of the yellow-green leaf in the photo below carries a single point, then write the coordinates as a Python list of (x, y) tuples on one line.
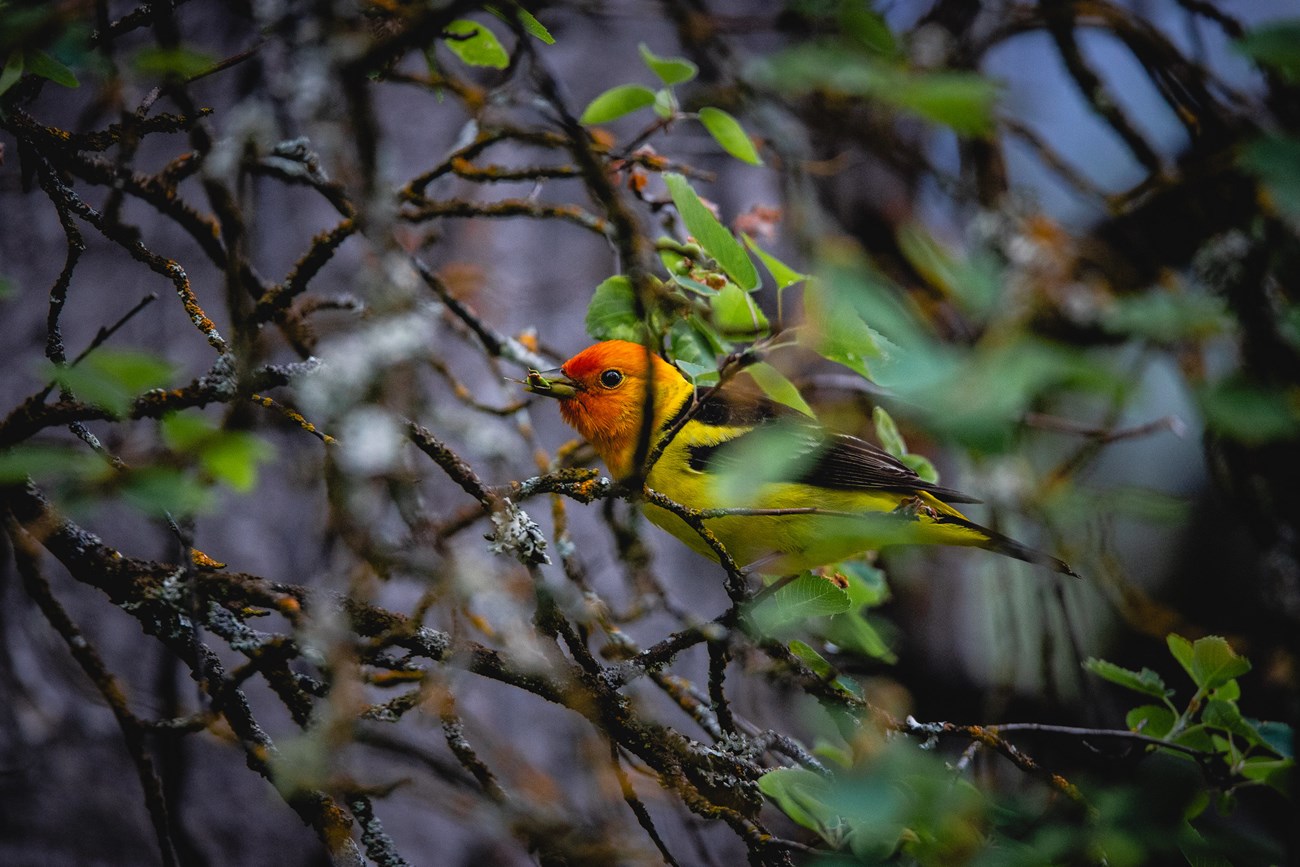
[(728, 132)]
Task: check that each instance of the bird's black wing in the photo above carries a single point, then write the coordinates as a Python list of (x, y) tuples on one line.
[(838, 461)]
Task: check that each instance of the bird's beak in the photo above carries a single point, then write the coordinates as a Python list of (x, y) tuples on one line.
[(550, 383)]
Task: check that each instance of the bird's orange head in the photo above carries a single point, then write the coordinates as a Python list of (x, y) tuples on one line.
[(603, 395)]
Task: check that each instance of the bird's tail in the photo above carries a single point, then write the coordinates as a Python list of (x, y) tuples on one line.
[(994, 541)]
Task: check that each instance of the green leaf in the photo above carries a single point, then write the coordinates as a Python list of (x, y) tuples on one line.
[(1275, 160), (868, 28), (728, 132), (922, 466), (531, 25), (736, 314), (1181, 649), (475, 44), (111, 379), (1225, 715), (782, 273), (686, 344), (1166, 317), (867, 584), (163, 490), (616, 102), (611, 315), (42, 64), (817, 663), (853, 632), (805, 597), (1145, 681), (711, 235), (1214, 662), (776, 386), (961, 100), (774, 452), (975, 283), (1154, 720), (234, 458), (671, 70), (1275, 773), (1276, 45), (13, 70), (800, 794), (819, 666), (49, 462), (665, 103), (231, 457), (1249, 413), (1279, 737), (835, 330), (180, 62), (887, 432), (1197, 738)]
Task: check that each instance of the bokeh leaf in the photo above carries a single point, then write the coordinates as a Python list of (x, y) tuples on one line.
[(112, 379)]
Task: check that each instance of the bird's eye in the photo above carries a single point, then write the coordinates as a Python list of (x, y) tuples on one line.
[(611, 378)]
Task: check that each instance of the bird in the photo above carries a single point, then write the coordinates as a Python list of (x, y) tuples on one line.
[(844, 496)]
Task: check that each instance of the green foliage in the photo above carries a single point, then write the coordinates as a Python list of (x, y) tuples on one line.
[(670, 70), (48, 462), (892, 441), (716, 240), (616, 102), (1166, 317), (783, 274), (772, 453), (475, 44), (112, 379), (728, 133), (836, 331), (736, 314), (1275, 160), (975, 283), (776, 386), (611, 314), (162, 491), (1275, 45), (230, 457), (960, 100), (1249, 413), (527, 20), (805, 597), (895, 801), (1211, 722), (38, 63), (178, 62), (623, 99), (1145, 681)]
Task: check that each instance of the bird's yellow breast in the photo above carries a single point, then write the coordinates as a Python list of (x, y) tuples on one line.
[(848, 522)]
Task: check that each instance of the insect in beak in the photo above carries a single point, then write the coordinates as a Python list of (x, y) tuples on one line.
[(550, 383)]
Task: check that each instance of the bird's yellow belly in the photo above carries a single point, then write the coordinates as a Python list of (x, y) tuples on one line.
[(847, 523)]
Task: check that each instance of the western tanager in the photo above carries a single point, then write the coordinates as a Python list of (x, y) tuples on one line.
[(847, 496)]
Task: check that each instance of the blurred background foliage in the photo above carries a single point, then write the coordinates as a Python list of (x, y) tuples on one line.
[(251, 253)]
